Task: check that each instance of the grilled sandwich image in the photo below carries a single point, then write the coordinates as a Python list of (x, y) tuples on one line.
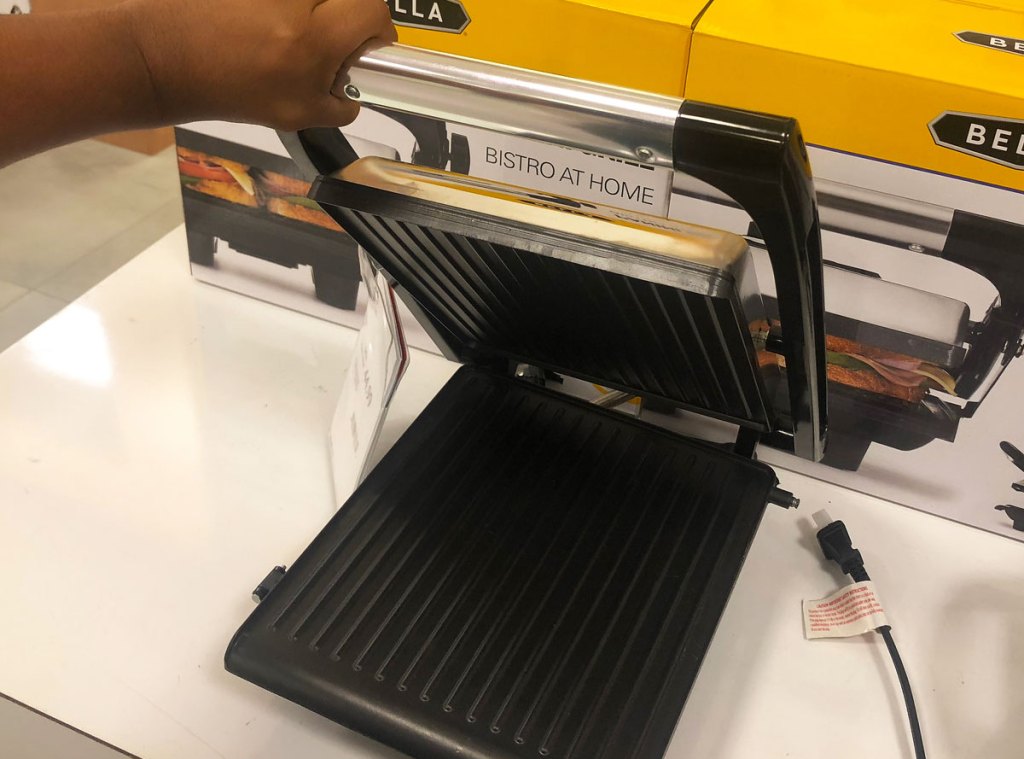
[(872, 369), (250, 187)]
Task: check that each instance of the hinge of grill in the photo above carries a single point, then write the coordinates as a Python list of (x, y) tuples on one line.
[(261, 591)]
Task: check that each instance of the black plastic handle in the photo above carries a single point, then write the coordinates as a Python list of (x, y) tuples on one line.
[(319, 152), (761, 162), (325, 151)]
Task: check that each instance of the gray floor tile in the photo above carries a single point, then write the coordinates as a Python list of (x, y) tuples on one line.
[(30, 735), (57, 207), (72, 216), (24, 315), (92, 268), (160, 171), (10, 292)]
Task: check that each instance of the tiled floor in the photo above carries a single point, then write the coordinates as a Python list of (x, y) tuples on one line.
[(25, 734), (68, 219)]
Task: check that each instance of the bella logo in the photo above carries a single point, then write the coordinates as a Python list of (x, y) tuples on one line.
[(437, 15), (989, 137), (991, 41)]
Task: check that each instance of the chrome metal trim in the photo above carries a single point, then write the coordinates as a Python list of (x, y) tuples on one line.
[(880, 217), (853, 211), (627, 124)]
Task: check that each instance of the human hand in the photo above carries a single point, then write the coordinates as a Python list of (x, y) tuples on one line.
[(270, 62)]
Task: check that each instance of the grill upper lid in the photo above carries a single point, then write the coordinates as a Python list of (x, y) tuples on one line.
[(651, 246), (638, 303)]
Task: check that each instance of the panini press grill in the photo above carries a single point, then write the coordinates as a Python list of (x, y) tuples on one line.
[(526, 574), (974, 347)]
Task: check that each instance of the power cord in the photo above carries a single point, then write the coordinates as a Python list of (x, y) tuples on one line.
[(837, 546)]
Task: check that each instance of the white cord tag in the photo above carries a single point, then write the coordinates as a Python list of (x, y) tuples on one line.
[(853, 610)]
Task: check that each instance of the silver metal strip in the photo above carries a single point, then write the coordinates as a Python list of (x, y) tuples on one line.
[(880, 217), (612, 121), (856, 212)]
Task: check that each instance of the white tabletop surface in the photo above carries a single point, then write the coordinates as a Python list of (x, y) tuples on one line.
[(164, 444)]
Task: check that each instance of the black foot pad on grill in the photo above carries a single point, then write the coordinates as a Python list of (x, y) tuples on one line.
[(523, 575)]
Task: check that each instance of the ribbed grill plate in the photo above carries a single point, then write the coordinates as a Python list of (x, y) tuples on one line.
[(602, 308), (523, 575), (622, 331)]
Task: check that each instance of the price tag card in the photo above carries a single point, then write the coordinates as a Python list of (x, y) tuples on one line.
[(378, 364)]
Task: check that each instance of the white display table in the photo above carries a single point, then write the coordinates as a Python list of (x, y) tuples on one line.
[(164, 444)]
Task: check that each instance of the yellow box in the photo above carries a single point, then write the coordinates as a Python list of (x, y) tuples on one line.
[(621, 42), (869, 78)]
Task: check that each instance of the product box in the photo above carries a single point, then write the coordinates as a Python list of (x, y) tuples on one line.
[(914, 115), (915, 120), (250, 226), (619, 42)]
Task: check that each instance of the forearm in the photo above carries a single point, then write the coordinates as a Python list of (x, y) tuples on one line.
[(77, 75), (149, 62)]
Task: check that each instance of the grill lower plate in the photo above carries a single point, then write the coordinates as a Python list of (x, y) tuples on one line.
[(523, 575)]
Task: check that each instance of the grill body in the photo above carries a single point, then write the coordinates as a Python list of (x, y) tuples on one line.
[(523, 575)]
